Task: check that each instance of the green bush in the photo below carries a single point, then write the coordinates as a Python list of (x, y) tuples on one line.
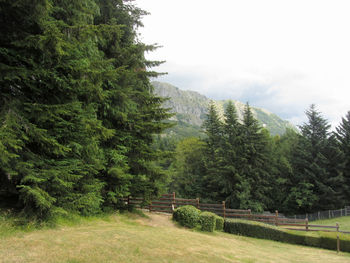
[(187, 216), (264, 231), (207, 221), (219, 223)]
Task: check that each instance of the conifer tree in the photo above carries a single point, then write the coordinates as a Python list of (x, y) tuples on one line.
[(232, 150), (77, 109), (47, 84), (254, 162), (315, 185), (282, 171), (343, 137), (213, 154), (129, 106)]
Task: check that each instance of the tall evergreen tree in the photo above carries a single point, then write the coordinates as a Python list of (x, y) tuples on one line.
[(47, 82), (254, 163), (231, 154), (213, 154), (282, 171), (343, 136), (130, 108), (77, 109), (315, 185)]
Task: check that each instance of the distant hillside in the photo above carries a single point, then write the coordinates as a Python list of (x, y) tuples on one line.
[(191, 108)]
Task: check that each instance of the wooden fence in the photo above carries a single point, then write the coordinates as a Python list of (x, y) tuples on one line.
[(168, 202)]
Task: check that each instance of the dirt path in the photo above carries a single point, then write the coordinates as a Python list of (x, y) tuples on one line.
[(157, 220)]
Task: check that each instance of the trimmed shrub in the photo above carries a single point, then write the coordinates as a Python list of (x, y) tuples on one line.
[(187, 216), (264, 231), (207, 221), (219, 223)]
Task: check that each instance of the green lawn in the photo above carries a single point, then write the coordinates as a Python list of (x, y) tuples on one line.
[(130, 238)]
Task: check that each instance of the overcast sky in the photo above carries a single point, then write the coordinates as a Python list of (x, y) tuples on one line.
[(282, 55)]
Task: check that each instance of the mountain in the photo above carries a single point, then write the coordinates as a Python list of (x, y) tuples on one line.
[(190, 110)]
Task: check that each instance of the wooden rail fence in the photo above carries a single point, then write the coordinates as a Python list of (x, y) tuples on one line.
[(167, 203)]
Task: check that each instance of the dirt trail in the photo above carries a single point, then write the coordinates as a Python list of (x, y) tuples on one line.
[(157, 220)]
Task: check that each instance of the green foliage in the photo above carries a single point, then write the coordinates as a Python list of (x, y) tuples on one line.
[(263, 231), (187, 216), (219, 223), (207, 221), (77, 111), (188, 168)]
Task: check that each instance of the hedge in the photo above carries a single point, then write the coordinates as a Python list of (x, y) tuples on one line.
[(187, 216), (219, 224), (207, 221), (315, 239)]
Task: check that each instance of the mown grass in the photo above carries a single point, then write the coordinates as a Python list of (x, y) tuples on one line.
[(132, 238)]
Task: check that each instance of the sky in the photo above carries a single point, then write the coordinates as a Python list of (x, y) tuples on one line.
[(281, 55)]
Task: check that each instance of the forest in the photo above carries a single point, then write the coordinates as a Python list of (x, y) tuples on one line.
[(241, 163), (80, 126)]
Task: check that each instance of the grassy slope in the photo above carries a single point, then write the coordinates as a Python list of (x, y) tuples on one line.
[(122, 238)]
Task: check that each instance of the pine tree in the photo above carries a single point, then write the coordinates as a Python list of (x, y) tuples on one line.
[(213, 154), (77, 109), (343, 136), (129, 106), (232, 150), (316, 184), (282, 171), (255, 164), (301, 196)]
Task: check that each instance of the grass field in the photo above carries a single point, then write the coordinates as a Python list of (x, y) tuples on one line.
[(131, 238)]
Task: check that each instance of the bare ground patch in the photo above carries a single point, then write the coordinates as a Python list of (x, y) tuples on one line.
[(157, 220)]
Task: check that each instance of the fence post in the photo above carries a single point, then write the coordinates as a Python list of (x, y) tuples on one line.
[(276, 217), (173, 204), (197, 202), (341, 212), (346, 211), (338, 241), (329, 214), (319, 215), (223, 208), (306, 224), (250, 214)]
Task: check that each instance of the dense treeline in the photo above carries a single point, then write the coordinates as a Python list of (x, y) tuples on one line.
[(77, 112), (242, 164)]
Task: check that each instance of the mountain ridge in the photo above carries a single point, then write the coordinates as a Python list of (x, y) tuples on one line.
[(190, 107)]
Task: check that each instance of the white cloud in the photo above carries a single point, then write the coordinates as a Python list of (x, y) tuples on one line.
[(281, 55)]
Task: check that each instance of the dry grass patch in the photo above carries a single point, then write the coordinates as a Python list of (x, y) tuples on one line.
[(154, 239)]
